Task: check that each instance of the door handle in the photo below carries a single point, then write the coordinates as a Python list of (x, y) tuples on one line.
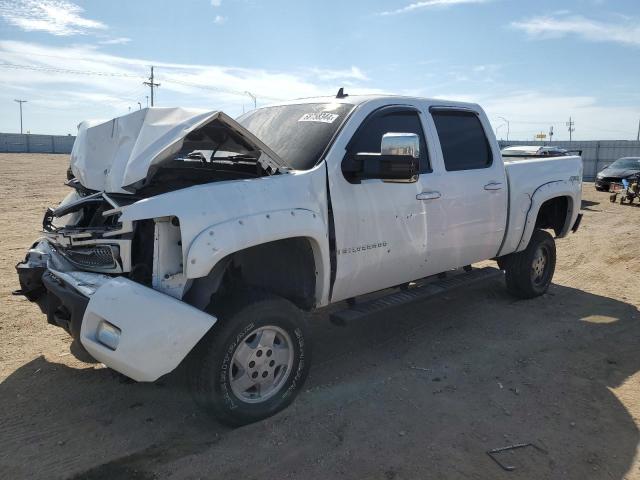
[(428, 196), (493, 186)]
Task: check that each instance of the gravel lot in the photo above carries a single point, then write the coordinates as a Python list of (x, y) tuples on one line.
[(422, 392)]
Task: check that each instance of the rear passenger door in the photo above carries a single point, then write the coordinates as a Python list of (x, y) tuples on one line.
[(473, 190)]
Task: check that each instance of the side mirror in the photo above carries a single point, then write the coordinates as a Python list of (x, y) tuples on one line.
[(404, 144), (398, 160)]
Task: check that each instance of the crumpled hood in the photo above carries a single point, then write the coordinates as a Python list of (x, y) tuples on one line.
[(113, 156)]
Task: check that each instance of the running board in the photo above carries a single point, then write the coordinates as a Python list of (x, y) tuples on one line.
[(422, 292)]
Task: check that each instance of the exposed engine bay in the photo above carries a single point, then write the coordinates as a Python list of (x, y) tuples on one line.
[(85, 229)]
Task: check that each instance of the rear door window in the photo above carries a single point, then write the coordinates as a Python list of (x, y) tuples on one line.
[(462, 139)]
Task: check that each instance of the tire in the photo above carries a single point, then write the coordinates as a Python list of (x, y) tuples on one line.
[(529, 273), (257, 336)]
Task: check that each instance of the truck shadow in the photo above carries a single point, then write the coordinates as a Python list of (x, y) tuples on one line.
[(421, 391)]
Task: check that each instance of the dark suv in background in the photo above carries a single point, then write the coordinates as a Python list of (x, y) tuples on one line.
[(614, 173)]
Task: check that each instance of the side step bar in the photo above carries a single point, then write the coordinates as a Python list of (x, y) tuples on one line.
[(422, 292)]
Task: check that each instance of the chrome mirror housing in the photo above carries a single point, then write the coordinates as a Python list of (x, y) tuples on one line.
[(400, 144)]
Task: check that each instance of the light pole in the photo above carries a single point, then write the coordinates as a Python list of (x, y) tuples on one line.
[(253, 97), (20, 102), (508, 129), (139, 106)]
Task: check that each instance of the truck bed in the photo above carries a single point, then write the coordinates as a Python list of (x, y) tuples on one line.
[(525, 177)]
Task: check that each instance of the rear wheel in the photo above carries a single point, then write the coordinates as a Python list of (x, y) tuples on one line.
[(254, 361), (529, 273)]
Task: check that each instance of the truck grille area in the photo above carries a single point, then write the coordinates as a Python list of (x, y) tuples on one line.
[(98, 258)]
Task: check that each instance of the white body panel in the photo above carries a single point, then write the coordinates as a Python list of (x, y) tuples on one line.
[(467, 222), (386, 235), (157, 331), (531, 183), (242, 213)]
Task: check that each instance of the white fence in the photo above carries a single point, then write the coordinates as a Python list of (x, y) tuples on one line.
[(28, 143), (596, 154)]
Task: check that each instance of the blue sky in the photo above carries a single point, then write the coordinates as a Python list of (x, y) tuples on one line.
[(534, 63)]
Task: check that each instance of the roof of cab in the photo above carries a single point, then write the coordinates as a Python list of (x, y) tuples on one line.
[(362, 99)]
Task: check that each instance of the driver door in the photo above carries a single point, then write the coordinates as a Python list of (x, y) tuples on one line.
[(380, 227)]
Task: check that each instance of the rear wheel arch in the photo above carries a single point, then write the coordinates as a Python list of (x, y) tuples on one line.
[(554, 214)]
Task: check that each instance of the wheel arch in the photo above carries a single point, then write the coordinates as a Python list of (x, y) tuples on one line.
[(284, 252), (554, 205)]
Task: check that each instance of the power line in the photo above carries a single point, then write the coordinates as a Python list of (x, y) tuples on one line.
[(38, 68), (253, 96), (48, 69)]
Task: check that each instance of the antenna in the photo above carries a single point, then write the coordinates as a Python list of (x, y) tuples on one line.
[(341, 93)]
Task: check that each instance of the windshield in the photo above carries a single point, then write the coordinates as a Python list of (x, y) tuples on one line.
[(299, 134), (626, 163)]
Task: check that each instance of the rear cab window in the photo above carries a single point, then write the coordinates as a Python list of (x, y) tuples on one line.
[(463, 140)]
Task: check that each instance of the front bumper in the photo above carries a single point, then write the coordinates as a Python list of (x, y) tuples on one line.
[(156, 331)]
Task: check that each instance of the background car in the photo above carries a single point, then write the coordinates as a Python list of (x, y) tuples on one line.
[(534, 151), (622, 168)]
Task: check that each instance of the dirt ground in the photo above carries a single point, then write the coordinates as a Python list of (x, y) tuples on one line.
[(421, 392)]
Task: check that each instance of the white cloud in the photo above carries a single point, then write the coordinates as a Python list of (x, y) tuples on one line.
[(353, 73), (115, 41), (530, 112), (57, 17), (76, 96), (216, 3), (430, 4), (219, 20), (626, 32)]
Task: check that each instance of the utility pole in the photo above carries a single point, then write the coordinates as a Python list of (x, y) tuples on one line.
[(638, 137), (508, 128), (151, 84), (570, 124), (21, 102)]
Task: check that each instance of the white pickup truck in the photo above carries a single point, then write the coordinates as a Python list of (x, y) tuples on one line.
[(192, 237)]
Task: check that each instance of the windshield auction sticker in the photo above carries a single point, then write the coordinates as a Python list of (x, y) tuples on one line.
[(322, 117)]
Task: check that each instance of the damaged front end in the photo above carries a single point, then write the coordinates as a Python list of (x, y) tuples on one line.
[(81, 237), (115, 282)]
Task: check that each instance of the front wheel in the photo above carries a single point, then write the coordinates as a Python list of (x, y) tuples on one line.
[(254, 361), (529, 273)]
